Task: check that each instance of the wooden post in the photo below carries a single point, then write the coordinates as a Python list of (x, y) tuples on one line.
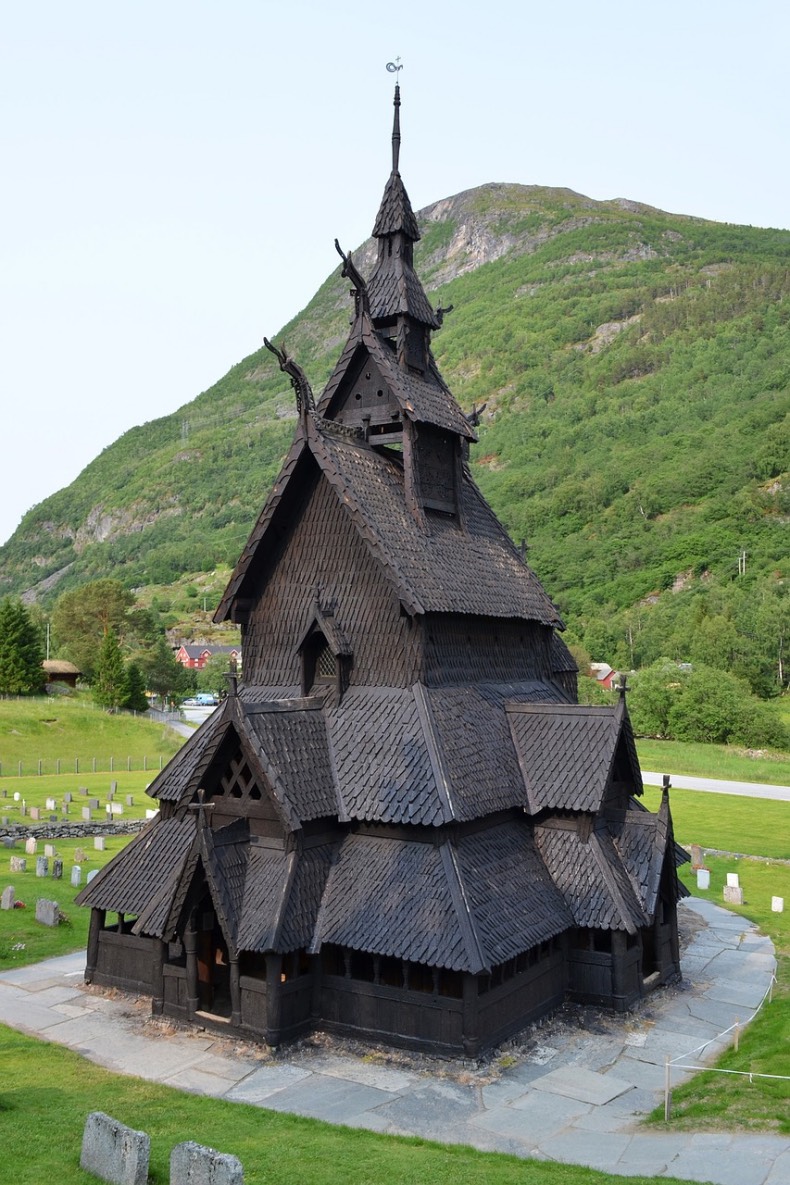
[(667, 1091), (471, 1037), (235, 991), (274, 1003), (158, 979), (737, 1033), (190, 949), (96, 926)]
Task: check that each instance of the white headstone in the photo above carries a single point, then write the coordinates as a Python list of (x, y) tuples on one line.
[(149, 814), (76, 876), (52, 804), (98, 843), (732, 880), (733, 894), (777, 904), (49, 850), (703, 878), (94, 872), (31, 846), (17, 796)]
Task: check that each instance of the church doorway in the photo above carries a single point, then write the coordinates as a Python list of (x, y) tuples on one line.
[(213, 966), (649, 957)]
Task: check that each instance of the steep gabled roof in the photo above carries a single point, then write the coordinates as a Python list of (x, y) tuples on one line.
[(567, 753), (147, 866), (443, 566), (587, 870), (422, 398)]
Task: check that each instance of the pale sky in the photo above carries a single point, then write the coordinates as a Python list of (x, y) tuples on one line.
[(174, 174)]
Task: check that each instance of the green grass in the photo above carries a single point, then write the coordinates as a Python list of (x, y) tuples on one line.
[(24, 940), (35, 791), (714, 1101), (727, 822), (714, 761), (47, 1092), (71, 730)]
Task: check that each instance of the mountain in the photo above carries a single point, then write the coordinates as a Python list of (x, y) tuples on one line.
[(635, 371)]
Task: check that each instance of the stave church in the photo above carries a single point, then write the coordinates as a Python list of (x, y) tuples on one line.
[(399, 825)]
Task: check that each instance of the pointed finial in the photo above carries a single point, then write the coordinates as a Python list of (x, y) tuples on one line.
[(666, 786), (393, 68), (623, 687)]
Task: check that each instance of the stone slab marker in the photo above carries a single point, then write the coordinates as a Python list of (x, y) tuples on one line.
[(194, 1164), (114, 1152), (733, 894), (47, 912), (57, 870), (733, 880), (76, 876), (49, 850), (18, 864), (777, 904), (31, 846), (98, 843), (7, 898), (703, 878), (42, 866)]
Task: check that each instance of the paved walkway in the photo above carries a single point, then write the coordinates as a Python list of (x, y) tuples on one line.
[(572, 1095)]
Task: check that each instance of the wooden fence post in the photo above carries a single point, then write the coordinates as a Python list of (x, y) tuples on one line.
[(667, 1091)]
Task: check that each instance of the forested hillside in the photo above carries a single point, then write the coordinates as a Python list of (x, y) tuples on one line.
[(635, 368)]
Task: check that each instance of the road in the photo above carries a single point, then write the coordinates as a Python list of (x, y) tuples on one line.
[(717, 786)]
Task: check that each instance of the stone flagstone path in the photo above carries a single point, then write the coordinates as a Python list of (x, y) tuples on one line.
[(576, 1099)]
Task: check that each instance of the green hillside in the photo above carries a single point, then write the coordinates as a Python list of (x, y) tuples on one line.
[(635, 367)]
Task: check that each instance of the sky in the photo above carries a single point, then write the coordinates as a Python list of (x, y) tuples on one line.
[(174, 174)]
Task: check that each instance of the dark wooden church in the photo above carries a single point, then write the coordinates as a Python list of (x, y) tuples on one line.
[(401, 826)]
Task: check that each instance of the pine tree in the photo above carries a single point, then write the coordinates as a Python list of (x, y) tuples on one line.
[(21, 652), (135, 698), (109, 680)]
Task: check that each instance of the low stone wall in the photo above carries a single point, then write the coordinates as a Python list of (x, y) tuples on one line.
[(24, 831)]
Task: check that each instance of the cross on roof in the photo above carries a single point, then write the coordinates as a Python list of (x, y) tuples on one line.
[(202, 807)]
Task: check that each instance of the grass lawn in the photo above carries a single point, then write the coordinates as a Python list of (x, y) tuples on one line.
[(715, 761), (35, 791), (22, 938), (71, 730), (727, 822), (47, 1092)]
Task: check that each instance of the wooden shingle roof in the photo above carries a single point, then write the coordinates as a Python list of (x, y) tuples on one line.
[(567, 752)]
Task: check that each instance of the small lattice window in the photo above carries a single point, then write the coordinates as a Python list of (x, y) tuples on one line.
[(325, 664)]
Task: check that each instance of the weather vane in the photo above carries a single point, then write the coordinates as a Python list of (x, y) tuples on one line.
[(395, 66)]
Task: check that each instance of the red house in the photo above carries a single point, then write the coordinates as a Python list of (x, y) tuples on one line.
[(195, 656)]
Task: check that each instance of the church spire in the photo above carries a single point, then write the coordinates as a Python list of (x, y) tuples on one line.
[(396, 130), (394, 290)]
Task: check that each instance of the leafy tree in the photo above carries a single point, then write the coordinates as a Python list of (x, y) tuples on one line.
[(212, 677), (21, 652), (135, 699), (653, 695), (109, 678), (83, 616), (164, 674)]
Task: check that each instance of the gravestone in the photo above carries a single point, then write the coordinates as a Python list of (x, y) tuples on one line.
[(113, 787), (47, 912), (83, 789), (51, 804), (94, 872), (68, 796), (696, 857), (130, 800), (18, 864), (76, 876), (703, 878), (115, 808), (4, 793), (733, 894), (7, 897), (93, 804), (17, 796), (79, 855), (777, 904), (194, 1164), (149, 814), (98, 843), (31, 846), (732, 880), (57, 870), (49, 849), (114, 1152), (35, 814), (42, 866), (86, 814), (4, 821)]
